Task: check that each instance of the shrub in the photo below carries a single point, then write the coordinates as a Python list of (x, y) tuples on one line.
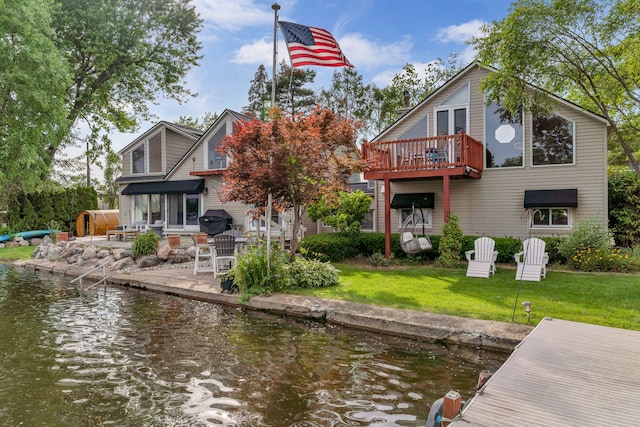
[(145, 244), (306, 273), (612, 259), (451, 243), (252, 275), (377, 259), (624, 208), (336, 246), (587, 236)]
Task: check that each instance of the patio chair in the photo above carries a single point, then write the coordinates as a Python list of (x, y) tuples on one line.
[(204, 253), (482, 259), (532, 260), (224, 246), (139, 225)]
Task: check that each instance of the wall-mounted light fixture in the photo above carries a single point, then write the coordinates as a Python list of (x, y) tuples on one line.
[(527, 309)]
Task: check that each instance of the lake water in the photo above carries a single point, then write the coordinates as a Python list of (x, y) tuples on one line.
[(124, 357)]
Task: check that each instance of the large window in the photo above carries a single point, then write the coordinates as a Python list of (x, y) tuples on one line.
[(504, 138), (147, 157), (419, 130), (216, 160), (553, 140), (367, 221), (451, 115), (551, 217), (148, 207)]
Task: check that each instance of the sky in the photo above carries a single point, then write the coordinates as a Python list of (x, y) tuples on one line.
[(377, 36)]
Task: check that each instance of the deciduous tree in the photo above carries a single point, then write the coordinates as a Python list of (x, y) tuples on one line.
[(33, 82), (297, 160), (584, 50)]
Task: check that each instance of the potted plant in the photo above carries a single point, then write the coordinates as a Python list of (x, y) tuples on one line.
[(174, 240), (200, 238)]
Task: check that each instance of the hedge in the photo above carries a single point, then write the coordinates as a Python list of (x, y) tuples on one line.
[(340, 246)]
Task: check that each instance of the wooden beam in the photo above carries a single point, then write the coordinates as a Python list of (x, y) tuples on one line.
[(447, 197), (387, 218)]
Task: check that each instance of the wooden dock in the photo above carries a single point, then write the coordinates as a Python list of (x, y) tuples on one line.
[(563, 374)]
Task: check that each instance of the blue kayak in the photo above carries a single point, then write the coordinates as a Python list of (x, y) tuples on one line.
[(26, 234)]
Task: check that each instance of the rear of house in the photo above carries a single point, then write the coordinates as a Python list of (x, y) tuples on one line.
[(515, 177)]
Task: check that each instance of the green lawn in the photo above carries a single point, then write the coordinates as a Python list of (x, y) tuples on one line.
[(598, 298), (12, 254)]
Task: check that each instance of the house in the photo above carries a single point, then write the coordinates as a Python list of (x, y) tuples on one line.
[(502, 176), (171, 173)]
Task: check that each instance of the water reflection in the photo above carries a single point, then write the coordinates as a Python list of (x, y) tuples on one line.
[(125, 357)]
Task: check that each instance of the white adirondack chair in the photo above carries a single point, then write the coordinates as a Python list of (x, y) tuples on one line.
[(532, 261), (482, 260)]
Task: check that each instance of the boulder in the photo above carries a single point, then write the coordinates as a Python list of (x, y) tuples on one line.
[(36, 241), (178, 259), (164, 252), (103, 253), (23, 242), (12, 244), (121, 264), (191, 251), (148, 261), (90, 252)]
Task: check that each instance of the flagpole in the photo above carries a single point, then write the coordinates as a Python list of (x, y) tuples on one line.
[(276, 8)]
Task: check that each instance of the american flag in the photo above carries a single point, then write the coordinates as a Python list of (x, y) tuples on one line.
[(312, 46)]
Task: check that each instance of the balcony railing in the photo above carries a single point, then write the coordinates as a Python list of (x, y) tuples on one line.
[(424, 154)]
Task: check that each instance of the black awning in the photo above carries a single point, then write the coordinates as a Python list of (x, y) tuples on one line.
[(419, 200), (165, 187), (551, 198)]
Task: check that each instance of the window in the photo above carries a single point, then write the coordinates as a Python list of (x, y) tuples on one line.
[(419, 130), (155, 153), (422, 213), (553, 140), (147, 157), (367, 221), (148, 207), (216, 160), (137, 160), (504, 138), (451, 115), (140, 208), (551, 217)]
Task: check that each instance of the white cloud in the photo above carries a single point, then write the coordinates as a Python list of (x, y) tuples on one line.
[(384, 78), (460, 33), (260, 52), (364, 53), (233, 15)]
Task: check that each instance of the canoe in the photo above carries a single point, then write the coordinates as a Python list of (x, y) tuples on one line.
[(26, 234)]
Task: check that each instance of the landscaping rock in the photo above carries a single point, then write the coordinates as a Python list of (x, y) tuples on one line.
[(164, 252), (36, 241), (12, 244), (89, 252), (73, 259), (121, 264), (191, 251), (148, 261), (103, 253), (178, 259)]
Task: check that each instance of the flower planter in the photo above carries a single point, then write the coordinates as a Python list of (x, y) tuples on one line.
[(174, 240), (62, 237), (200, 238)]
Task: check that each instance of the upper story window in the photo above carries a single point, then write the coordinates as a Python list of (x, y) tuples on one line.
[(216, 160), (147, 157), (419, 130), (504, 138), (553, 140), (451, 115)]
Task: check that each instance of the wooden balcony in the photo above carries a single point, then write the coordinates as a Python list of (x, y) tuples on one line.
[(447, 155)]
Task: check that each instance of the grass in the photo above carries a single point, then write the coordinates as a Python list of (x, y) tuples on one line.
[(606, 299), (17, 253)]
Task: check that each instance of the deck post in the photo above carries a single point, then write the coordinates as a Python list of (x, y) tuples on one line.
[(451, 407), (447, 197), (387, 218)]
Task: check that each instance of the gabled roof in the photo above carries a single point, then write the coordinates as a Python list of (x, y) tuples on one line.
[(460, 75), (190, 133), (235, 116)]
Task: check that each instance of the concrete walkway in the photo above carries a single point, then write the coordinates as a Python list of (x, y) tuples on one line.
[(482, 334)]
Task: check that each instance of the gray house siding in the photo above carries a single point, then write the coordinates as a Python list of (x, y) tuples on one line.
[(494, 204)]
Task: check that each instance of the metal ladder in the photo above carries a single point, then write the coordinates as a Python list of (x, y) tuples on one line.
[(104, 279)]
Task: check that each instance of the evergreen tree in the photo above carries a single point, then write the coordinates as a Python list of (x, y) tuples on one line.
[(259, 96)]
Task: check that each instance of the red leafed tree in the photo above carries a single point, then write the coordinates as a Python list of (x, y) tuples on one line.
[(296, 159)]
